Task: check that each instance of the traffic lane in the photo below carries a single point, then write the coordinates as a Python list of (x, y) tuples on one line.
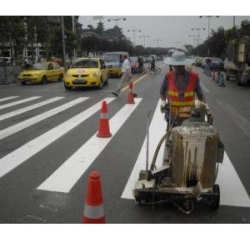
[(57, 207), (230, 109), (27, 204), (125, 211)]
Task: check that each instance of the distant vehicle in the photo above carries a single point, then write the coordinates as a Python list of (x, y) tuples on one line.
[(134, 62), (113, 60), (205, 61), (42, 73), (86, 72), (237, 62), (217, 64)]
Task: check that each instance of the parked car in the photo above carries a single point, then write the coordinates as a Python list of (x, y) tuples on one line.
[(217, 64), (86, 72), (42, 73)]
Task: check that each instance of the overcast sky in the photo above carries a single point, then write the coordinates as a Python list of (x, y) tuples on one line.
[(165, 31), (167, 23)]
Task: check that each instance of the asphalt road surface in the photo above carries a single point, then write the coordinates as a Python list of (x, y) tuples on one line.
[(48, 148)]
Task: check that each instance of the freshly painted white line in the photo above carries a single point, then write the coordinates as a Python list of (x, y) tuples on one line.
[(65, 177), (19, 102), (8, 98), (232, 191), (20, 155), (157, 129), (28, 108), (38, 118)]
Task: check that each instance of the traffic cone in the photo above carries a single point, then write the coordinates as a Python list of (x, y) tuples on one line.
[(94, 210), (213, 76), (130, 98), (104, 131)]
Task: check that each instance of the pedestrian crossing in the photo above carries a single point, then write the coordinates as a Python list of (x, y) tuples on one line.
[(77, 164)]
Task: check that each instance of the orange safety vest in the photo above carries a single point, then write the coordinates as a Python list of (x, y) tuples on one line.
[(181, 100)]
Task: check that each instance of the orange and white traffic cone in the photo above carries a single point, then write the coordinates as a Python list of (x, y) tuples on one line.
[(130, 98), (94, 209), (213, 76), (104, 131)]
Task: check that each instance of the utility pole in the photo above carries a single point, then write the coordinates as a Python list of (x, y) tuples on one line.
[(63, 40), (134, 31)]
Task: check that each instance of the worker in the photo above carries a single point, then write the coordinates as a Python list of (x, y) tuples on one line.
[(179, 88), (220, 78)]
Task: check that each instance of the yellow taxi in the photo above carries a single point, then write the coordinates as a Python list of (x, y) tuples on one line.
[(86, 72), (42, 72)]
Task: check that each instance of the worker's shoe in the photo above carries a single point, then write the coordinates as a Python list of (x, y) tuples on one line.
[(135, 95)]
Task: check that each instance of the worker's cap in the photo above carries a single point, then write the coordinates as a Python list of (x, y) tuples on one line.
[(178, 58)]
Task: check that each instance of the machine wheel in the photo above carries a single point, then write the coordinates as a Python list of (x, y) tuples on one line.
[(216, 197)]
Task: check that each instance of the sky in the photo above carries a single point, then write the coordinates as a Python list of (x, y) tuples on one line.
[(167, 23), (165, 31)]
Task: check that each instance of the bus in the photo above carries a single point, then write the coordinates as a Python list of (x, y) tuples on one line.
[(113, 60)]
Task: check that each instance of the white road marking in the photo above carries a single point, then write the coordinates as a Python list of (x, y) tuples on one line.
[(20, 155), (28, 108), (19, 102), (232, 190), (38, 118), (65, 177), (8, 98), (157, 129)]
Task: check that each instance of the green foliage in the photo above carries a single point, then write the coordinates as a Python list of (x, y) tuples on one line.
[(216, 45)]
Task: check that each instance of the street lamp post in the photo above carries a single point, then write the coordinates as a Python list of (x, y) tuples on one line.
[(208, 30), (134, 31), (208, 25), (144, 36), (158, 40), (117, 19), (74, 32), (63, 41), (198, 34)]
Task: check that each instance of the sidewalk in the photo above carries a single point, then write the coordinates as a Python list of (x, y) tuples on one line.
[(9, 74)]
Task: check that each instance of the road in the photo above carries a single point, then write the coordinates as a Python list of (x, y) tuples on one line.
[(49, 147)]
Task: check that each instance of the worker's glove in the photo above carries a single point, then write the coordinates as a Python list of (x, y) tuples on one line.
[(163, 106)]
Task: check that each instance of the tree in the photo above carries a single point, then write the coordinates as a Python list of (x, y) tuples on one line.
[(100, 28)]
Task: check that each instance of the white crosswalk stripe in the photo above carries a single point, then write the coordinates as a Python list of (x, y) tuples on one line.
[(20, 155), (31, 107), (19, 102), (77, 164), (8, 98), (38, 118)]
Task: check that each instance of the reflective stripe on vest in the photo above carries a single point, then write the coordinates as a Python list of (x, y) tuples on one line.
[(181, 98)]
